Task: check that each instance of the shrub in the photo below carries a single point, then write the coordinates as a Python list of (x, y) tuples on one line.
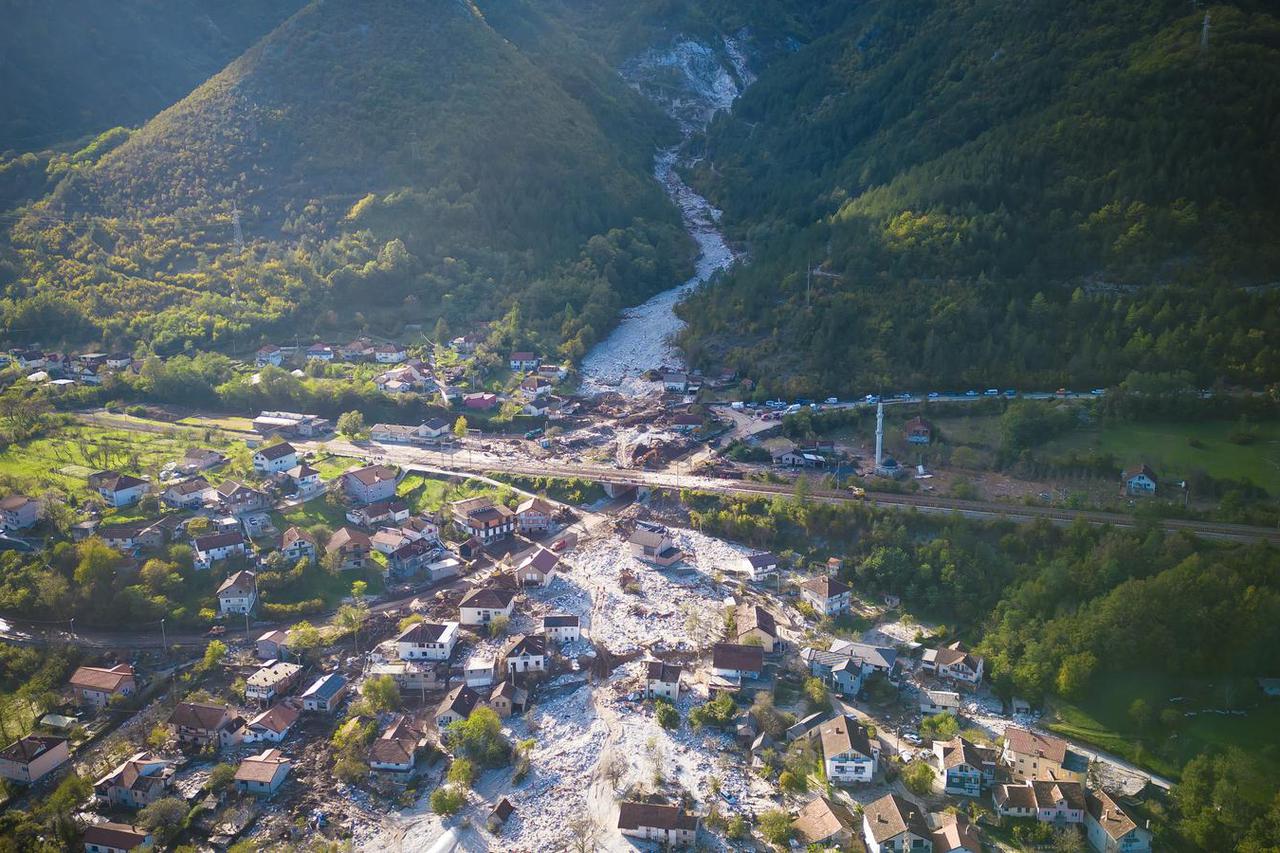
[(775, 826), (918, 777), (668, 717), (447, 800)]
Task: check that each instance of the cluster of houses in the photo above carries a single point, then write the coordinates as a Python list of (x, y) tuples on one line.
[(63, 369)]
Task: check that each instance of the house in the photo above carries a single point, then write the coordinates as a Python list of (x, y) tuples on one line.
[(674, 382), (686, 422), (18, 512), (1139, 481), (427, 641), (456, 706), (388, 540), (135, 535), (801, 459), (272, 680), (394, 755), (965, 769), (524, 361), (201, 724), (561, 628), (290, 423), (956, 834), (1031, 755), (482, 604), (894, 823), (305, 478), (480, 401), (413, 675), (263, 774), (537, 568), (848, 754), (735, 662), (272, 725), (524, 653), (534, 386), (319, 352), (825, 823), (371, 483), (118, 489), (483, 518), (238, 593), (665, 825), (535, 515), (939, 702), (653, 544), (108, 837), (507, 699), (201, 459), (187, 494), (358, 349), (757, 625), (269, 354), (434, 428), (826, 595), (297, 544), (479, 670), (273, 645), (1109, 829), (410, 557), (1046, 801), (31, 758), (217, 546), (389, 354), (96, 686), (917, 431), (760, 566), (839, 671), (238, 499), (954, 662), (873, 659), (351, 548), (662, 680), (381, 512), (325, 693)]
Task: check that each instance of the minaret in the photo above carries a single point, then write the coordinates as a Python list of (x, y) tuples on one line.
[(879, 434)]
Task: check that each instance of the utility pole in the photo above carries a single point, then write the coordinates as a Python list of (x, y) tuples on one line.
[(164, 641)]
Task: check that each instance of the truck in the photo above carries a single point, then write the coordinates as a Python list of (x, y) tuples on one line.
[(831, 401), (533, 433), (737, 406)]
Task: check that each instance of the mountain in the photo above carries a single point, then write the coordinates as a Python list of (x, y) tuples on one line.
[(1002, 192), (73, 68), (394, 162)]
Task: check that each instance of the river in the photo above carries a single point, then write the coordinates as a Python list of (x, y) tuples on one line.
[(710, 79)]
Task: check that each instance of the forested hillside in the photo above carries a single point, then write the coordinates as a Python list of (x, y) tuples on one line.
[(1003, 192), (391, 163), (77, 67)]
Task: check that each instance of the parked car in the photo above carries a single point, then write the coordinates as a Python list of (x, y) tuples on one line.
[(993, 392), (971, 393), (831, 401), (933, 395), (1010, 393)]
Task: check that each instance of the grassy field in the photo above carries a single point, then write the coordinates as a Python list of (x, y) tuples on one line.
[(1102, 718), (1168, 448), (227, 422), (429, 494)]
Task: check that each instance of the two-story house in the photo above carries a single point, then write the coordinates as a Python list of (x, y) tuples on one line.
[(110, 837), (761, 566), (138, 781), (1032, 755), (118, 489), (297, 544), (235, 498), (668, 826), (394, 754), (427, 641), (371, 483), (272, 725), (653, 544), (848, 755), (325, 693), (736, 662), (1109, 829), (894, 824), (274, 458), (18, 512), (304, 478), (535, 515), (966, 770), (238, 593), (756, 625), (484, 519), (826, 595), (456, 706), (838, 671), (481, 605), (524, 361), (662, 680), (187, 494), (351, 547), (1048, 802), (202, 724), (29, 759), (271, 681), (96, 686), (953, 662), (537, 568), (1140, 481), (524, 653), (561, 627)]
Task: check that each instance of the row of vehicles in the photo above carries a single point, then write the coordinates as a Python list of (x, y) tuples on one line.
[(782, 407)]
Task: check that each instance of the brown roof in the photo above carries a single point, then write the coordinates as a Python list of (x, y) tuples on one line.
[(959, 751), (956, 833), (1048, 794), (262, 768), (345, 538), (1130, 473), (636, 815), (101, 678), (371, 475), (734, 656), (667, 673), (190, 487), (241, 582), (460, 700), (1029, 743), (27, 749), (524, 644), (1009, 795), (278, 718), (198, 715), (541, 559), (754, 616), (276, 451), (842, 736), (825, 586), (1108, 814), (487, 597), (954, 653), (121, 482), (422, 632), (121, 836), (503, 809), (821, 819), (560, 620), (892, 815), (15, 502), (296, 534), (536, 505)]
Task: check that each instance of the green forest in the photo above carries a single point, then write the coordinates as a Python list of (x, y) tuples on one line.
[(1001, 192)]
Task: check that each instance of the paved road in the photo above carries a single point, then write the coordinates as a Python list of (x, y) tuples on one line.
[(470, 461)]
